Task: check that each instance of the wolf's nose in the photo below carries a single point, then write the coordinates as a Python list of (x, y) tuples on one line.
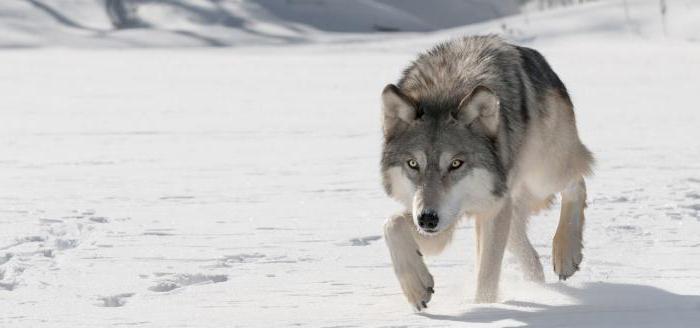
[(428, 220)]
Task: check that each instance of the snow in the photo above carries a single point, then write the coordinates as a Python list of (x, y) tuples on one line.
[(239, 187)]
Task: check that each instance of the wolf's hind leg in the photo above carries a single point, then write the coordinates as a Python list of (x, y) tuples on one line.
[(519, 245), (568, 240), (416, 282)]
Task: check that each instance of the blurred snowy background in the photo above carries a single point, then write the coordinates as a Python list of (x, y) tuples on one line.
[(219, 23), (199, 163)]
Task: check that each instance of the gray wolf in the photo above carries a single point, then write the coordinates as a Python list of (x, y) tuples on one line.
[(480, 128)]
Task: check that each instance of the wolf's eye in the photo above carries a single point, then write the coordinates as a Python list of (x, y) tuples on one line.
[(456, 164), (412, 164)]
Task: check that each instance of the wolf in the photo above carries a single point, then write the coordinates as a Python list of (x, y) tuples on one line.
[(480, 128)]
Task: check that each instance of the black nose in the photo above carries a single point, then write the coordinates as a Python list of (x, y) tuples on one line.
[(428, 220)]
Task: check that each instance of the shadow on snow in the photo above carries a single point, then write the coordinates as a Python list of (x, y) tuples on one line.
[(596, 305)]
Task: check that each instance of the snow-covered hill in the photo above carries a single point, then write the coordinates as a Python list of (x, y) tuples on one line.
[(239, 187), (89, 23), (224, 23)]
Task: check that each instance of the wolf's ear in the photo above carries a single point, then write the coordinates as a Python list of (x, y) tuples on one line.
[(398, 109), (480, 107)]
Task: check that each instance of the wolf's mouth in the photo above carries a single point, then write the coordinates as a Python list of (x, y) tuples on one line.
[(428, 232)]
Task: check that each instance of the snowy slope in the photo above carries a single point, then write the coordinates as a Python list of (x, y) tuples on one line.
[(240, 187), (85, 23), (234, 23)]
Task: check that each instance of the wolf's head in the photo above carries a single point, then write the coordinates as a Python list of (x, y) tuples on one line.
[(440, 157)]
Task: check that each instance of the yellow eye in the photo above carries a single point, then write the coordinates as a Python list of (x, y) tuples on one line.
[(456, 164), (412, 164)]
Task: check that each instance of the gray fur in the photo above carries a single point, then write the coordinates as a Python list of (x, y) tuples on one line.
[(439, 79)]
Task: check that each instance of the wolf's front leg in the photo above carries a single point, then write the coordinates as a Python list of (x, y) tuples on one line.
[(416, 281), (492, 237)]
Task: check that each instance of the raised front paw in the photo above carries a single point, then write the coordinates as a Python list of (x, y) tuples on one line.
[(566, 255), (416, 282)]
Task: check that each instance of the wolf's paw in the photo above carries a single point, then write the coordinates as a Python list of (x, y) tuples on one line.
[(535, 273), (566, 255), (416, 282), (488, 296)]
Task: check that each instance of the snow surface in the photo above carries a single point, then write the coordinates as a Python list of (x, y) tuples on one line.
[(240, 187)]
